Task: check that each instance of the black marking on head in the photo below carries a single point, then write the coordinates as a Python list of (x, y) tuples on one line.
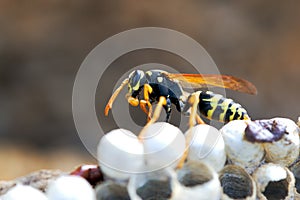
[(135, 77), (136, 82)]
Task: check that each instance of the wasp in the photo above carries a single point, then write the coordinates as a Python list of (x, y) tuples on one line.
[(165, 89)]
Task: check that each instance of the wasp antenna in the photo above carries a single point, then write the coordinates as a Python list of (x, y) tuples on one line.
[(114, 96)]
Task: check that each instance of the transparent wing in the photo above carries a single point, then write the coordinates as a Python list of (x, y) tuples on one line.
[(223, 81)]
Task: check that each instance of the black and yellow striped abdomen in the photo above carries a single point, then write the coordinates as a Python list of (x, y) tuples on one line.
[(216, 107)]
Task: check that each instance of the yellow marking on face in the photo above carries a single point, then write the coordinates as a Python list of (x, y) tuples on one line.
[(131, 74), (160, 79), (137, 86), (129, 88), (142, 75)]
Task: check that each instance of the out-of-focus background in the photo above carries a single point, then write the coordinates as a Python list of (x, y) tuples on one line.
[(43, 43)]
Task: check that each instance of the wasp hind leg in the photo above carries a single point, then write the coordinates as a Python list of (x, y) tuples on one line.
[(193, 119)]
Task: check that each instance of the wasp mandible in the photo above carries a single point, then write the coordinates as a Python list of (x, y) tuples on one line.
[(165, 89)]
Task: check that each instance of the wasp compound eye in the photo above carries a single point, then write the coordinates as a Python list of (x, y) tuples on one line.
[(136, 79)]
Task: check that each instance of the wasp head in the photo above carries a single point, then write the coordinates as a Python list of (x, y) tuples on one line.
[(136, 80)]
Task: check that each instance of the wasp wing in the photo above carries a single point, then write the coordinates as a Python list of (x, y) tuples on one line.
[(222, 81)]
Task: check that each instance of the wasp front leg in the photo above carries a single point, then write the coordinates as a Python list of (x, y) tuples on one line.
[(132, 101), (146, 101)]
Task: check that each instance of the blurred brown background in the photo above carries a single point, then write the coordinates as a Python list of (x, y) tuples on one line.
[(43, 43)]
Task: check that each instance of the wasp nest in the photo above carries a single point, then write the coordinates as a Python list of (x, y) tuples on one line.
[(243, 160)]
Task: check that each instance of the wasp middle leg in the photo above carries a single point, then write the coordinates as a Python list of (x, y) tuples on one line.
[(161, 103)]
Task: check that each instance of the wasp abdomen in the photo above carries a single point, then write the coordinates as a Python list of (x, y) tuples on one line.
[(216, 107)]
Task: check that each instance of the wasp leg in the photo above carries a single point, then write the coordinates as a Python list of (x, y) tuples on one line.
[(168, 109), (143, 105), (199, 120), (132, 101), (147, 90), (156, 114), (114, 96), (194, 101)]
